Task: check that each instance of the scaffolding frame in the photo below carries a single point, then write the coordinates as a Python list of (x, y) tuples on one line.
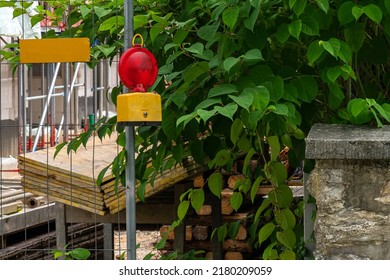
[(49, 91)]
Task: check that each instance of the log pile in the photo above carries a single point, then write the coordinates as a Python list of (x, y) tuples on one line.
[(200, 224), (71, 179), (199, 227)]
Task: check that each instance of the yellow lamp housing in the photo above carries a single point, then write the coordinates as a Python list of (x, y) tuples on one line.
[(139, 108)]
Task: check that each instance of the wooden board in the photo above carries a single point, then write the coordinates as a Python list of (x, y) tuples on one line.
[(71, 179), (86, 164)]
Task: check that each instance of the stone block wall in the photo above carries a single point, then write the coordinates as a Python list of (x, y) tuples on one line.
[(351, 185)]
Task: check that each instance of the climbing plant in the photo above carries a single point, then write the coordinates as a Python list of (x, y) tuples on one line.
[(240, 81)]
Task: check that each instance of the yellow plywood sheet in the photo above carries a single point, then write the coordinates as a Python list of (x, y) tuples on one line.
[(54, 50), (85, 165)]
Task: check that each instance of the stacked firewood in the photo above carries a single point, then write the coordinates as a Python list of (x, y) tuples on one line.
[(199, 231)]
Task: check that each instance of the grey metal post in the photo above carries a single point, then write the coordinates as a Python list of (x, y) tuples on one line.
[(130, 160), (85, 96), (66, 104)]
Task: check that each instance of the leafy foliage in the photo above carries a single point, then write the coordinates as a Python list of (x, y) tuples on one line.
[(246, 78)]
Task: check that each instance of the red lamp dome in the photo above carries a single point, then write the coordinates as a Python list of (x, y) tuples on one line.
[(138, 68)]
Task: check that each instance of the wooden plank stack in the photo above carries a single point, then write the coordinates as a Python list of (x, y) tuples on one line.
[(71, 179)]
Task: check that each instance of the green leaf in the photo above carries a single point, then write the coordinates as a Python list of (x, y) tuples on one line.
[(196, 48), (255, 187), (314, 51), (236, 200), (233, 229), (287, 238), (254, 118), (182, 209), (354, 36), (332, 46), (222, 158), (307, 88), (248, 157), (357, 106), (108, 24), (168, 124), (381, 110), (235, 130), (323, 4), (275, 87), (80, 254), (229, 63), (291, 3), (264, 205), (107, 50), (266, 232), (335, 97), (35, 19), (205, 115), (344, 13), (310, 26), (59, 148), (207, 103), (285, 218), (274, 144), (100, 177), (283, 33), (186, 119), (18, 11), (250, 21), (253, 55), (299, 6), (245, 99), (373, 12), (195, 70), (222, 89), (287, 255), (276, 172), (155, 31), (270, 253), (281, 196), (222, 232), (228, 110), (295, 28), (197, 198), (101, 11), (333, 73), (197, 152), (215, 183), (208, 32), (140, 21), (357, 12), (378, 121), (261, 97), (280, 109), (230, 16)]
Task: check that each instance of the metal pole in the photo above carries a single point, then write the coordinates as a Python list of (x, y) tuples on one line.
[(130, 154), (45, 109), (67, 97), (65, 101)]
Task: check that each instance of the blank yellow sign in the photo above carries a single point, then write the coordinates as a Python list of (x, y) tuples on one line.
[(54, 50)]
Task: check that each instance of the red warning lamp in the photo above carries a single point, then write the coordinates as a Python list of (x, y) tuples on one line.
[(138, 67), (138, 70)]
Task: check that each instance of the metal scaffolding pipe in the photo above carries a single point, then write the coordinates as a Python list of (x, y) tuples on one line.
[(49, 95), (68, 97), (130, 153)]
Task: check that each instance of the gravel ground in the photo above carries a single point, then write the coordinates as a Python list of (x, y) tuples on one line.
[(147, 236)]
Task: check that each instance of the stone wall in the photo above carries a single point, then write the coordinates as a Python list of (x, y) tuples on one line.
[(351, 185)]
